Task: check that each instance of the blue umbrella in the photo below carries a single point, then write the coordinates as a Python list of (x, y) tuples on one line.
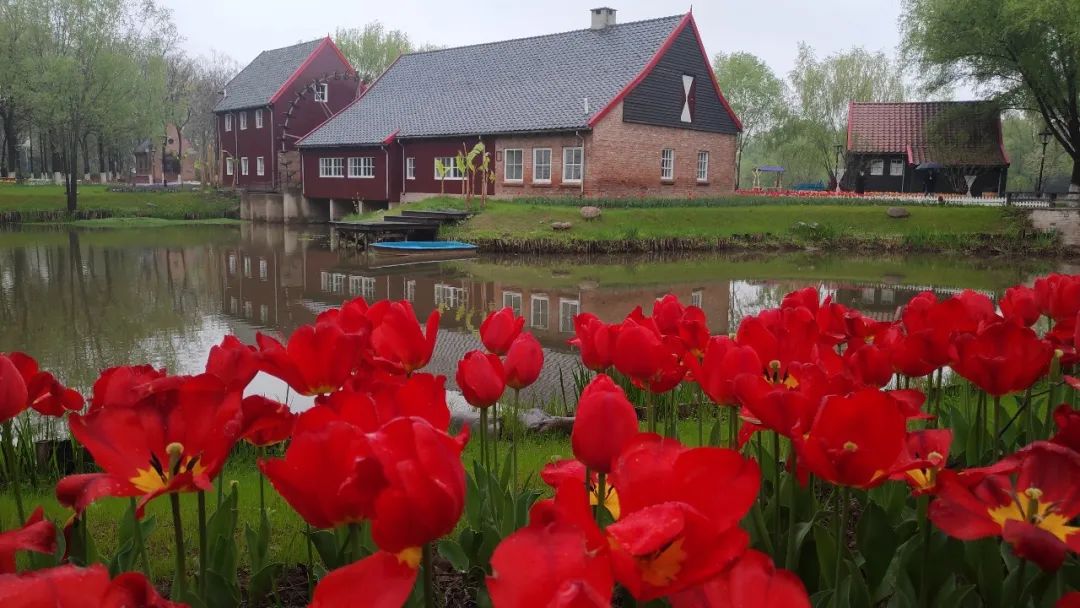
[(929, 166)]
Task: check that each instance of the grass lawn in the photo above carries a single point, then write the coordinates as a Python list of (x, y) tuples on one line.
[(47, 202)]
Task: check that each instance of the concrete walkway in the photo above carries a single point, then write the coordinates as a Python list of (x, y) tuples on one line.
[(1064, 221)]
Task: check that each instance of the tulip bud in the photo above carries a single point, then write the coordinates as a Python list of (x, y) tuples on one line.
[(481, 378), (605, 422), (524, 360)]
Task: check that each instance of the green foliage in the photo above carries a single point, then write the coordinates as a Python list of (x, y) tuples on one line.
[(372, 48)]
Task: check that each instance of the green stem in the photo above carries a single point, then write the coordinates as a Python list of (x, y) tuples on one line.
[(601, 494), (514, 430), (841, 540), (262, 484), (483, 437), (980, 428), (997, 426), (13, 472), (733, 428), (141, 542), (429, 577), (1019, 596), (310, 561), (179, 589), (926, 528), (700, 404), (495, 439), (202, 543), (354, 542), (776, 488), (793, 498), (1029, 418), (651, 410)]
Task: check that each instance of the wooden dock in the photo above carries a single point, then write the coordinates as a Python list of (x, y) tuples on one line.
[(409, 226)]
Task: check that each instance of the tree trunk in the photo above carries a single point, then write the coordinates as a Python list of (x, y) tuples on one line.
[(12, 137), (164, 142), (101, 156), (179, 156), (72, 180), (1074, 182), (85, 145)]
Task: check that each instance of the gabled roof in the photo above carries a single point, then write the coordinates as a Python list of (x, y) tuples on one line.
[(545, 83), (257, 83), (947, 132)]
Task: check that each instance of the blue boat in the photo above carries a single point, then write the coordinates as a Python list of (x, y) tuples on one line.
[(425, 250)]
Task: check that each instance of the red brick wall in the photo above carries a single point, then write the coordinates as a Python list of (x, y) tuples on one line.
[(623, 160), (527, 143)]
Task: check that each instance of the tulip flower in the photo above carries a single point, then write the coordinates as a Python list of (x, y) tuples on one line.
[(234, 362), (675, 530), (1030, 500), (481, 378), (1020, 306), (1002, 358), (869, 364), (724, 361), (596, 341), (317, 359), (557, 474), (753, 581), (75, 587), (352, 318), (36, 535), (524, 360), (605, 422), (397, 338), (45, 394), (855, 440), (124, 386), (500, 329), (1058, 296), (786, 335), (1069, 600), (650, 360), (924, 455), (265, 421), (1068, 424), (175, 438), (13, 393)]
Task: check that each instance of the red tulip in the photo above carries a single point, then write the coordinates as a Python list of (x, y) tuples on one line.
[(1068, 423), (869, 364), (45, 394), (786, 335), (36, 535), (382, 580), (723, 362), (686, 323), (752, 582), (234, 362), (1020, 306), (596, 341), (1058, 296), (500, 329), (397, 338), (675, 529), (777, 407), (175, 438), (1028, 499), (317, 360), (650, 360), (561, 472), (265, 421), (1002, 358), (75, 587), (1069, 600), (523, 363), (481, 379), (925, 454), (124, 386), (352, 318), (13, 393), (855, 440), (605, 423)]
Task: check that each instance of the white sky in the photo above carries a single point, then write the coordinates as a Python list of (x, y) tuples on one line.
[(770, 29)]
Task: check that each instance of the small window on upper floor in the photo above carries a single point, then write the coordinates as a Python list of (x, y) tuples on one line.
[(243, 121), (228, 123), (322, 92), (258, 119)]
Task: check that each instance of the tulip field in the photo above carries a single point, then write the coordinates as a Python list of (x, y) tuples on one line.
[(816, 457)]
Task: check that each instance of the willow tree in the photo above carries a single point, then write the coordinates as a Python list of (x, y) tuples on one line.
[(755, 94), (1024, 53)]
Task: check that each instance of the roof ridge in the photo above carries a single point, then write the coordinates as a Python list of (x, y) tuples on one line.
[(915, 103), (291, 46), (539, 36)]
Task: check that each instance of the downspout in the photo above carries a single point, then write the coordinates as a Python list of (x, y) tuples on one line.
[(221, 159), (236, 151), (303, 182), (404, 170), (273, 155), (386, 172), (581, 185)]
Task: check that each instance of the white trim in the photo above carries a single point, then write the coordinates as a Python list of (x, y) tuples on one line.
[(452, 173), (410, 167), (322, 92), (566, 322), (260, 166), (228, 123), (520, 164), (258, 118), (702, 167), (332, 167), (877, 167), (509, 298), (536, 164), (243, 120), (229, 166), (243, 165), (667, 165), (894, 164), (533, 301), (361, 167), (580, 164)]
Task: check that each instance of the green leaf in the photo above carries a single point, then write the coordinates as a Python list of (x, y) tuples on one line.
[(825, 544), (984, 562), (454, 554), (877, 543)]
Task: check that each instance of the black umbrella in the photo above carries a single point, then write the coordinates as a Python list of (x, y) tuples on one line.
[(929, 166)]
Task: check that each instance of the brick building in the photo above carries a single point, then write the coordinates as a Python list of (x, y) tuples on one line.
[(275, 100), (614, 110)]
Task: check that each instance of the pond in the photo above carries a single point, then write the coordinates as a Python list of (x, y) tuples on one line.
[(84, 300)]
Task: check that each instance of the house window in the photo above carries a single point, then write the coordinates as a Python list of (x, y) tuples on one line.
[(697, 297), (568, 309), (538, 307), (234, 306), (338, 280), (667, 164), (243, 165), (264, 269), (449, 166), (243, 120), (542, 165), (896, 167), (448, 296), (247, 309), (228, 166), (331, 167), (514, 167), (512, 300), (247, 267), (260, 166), (322, 92), (410, 168), (362, 286), (410, 290), (232, 264), (703, 166), (264, 313), (258, 119), (571, 164), (363, 166), (324, 281), (877, 167), (228, 123)]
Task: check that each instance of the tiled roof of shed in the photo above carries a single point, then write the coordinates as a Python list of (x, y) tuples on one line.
[(530, 84), (948, 132), (257, 83)]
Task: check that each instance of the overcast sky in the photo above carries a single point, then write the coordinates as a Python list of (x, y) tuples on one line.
[(771, 29)]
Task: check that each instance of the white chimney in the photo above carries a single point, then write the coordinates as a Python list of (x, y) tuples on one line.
[(602, 17)]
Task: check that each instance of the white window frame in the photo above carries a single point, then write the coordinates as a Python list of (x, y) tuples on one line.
[(260, 166), (229, 166), (512, 300), (264, 313), (568, 309), (410, 290), (362, 286), (877, 167), (248, 308), (232, 264), (264, 270), (228, 123), (697, 297), (702, 166), (896, 167), (332, 167), (243, 165), (243, 120), (362, 167), (536, 163), (568, 153), (324, 281), (322, 92), (247, 267), (410, 167), (519, 165), (453, 174), (338, 282), (667, 165), (451, 296), (544, 311), (258, 119)]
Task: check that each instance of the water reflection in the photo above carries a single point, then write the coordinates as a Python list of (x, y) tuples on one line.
[(84, 300)]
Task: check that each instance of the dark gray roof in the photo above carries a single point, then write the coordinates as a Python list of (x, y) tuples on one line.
[(529, 84), (257, 83)]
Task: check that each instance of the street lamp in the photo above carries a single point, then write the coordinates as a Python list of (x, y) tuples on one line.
[(1044, 138)]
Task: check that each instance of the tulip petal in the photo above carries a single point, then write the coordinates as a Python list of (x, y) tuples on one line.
[(379, 581)]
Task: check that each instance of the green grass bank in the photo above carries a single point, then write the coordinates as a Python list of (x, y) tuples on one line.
[(47, 204)]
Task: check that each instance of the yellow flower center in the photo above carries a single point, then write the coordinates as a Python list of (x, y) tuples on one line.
[(1038, 513), (157, 477), (850, 446), (410, 557), (611, 499), (661, 567)]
